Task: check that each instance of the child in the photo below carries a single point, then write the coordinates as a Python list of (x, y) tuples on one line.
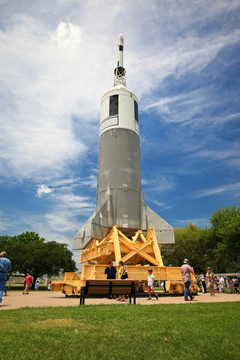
[(37, 285), (150, 285), (210, 281)]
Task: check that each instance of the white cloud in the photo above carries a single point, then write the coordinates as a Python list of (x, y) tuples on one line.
[(194, 107), (59, 222), (162, 183), (161, 205), (67, 35), (43, 189), (229, 189), (221, 154), (55, 71), (40, 100), (146, 182)]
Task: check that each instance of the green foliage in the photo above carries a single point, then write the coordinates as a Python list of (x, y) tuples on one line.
[(30, 253), (217, 246), (27, 237), (226, 232), (136, 332), (186, 245)]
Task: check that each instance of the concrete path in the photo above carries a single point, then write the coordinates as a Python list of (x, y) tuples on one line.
[(16, 300)]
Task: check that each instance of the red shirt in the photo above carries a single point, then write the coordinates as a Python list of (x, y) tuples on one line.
[(28, 280)]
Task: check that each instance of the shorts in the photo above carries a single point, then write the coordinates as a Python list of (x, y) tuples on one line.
[(149, 289)]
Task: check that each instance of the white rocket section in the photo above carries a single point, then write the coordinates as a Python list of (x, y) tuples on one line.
[(120, 50), (126, 117)]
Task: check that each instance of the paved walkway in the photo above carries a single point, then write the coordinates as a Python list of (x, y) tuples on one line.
[(16, 300)]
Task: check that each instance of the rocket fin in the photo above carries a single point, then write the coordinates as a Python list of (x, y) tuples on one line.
[(96, 226), (164, 231), (84, 235), (100, 222)]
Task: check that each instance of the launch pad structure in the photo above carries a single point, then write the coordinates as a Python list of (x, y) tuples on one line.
[(133, 252)]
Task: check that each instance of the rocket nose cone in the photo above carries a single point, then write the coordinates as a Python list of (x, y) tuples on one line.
[(120, 39)]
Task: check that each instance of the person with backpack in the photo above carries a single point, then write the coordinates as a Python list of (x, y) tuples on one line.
[(122, 274), (5, 267)]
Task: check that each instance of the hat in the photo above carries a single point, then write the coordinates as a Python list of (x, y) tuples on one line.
[(185, 261), (150, 270)]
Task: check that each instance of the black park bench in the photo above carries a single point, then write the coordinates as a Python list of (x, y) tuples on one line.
[(108, 288)]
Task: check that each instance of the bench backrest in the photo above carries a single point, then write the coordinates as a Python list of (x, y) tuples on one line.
[(105, 287)]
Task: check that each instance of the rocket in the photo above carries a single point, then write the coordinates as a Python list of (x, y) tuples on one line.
[(119, 191)]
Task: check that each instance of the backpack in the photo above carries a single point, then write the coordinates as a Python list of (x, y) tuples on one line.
[(125, 274)]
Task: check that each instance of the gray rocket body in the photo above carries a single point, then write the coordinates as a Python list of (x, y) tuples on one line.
[(119, 192)]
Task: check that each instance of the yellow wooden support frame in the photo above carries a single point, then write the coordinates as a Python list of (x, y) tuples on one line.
[(117, 246)]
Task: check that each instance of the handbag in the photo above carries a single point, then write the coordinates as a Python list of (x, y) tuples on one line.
[(124, 275)]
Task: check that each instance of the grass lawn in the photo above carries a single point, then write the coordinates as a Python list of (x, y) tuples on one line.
[(187, 331)]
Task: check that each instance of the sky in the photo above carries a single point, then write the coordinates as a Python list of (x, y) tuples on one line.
[(56, 62)]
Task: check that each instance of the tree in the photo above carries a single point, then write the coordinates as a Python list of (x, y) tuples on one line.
[(217, 246), (190, 244), (30, 253), (226, 234), (27, 237)]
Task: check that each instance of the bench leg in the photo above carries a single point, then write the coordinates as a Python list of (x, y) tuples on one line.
[(82, 296), (133, 293)]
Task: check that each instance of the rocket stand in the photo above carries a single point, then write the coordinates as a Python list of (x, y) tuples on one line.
[(133, 252)]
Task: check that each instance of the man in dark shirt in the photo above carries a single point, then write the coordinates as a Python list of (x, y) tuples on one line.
[(110, 271)]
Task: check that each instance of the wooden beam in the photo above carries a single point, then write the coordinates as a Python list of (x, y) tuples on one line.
[(116, 244), (135, 237), (156, 248), (143, 238), (137, 250)]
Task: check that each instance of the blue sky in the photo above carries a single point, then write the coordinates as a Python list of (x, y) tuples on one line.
[(57, 60)]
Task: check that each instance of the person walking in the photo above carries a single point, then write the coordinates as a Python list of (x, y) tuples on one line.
[(5, 291), (235, 284), (28, 282), (202, 278), (186, 271), (5, 267), (150, 285), (210, 281), (221, 284), (37, 285)]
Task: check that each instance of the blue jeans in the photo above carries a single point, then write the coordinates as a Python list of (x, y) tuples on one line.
[(187, 291), (3, 280)]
